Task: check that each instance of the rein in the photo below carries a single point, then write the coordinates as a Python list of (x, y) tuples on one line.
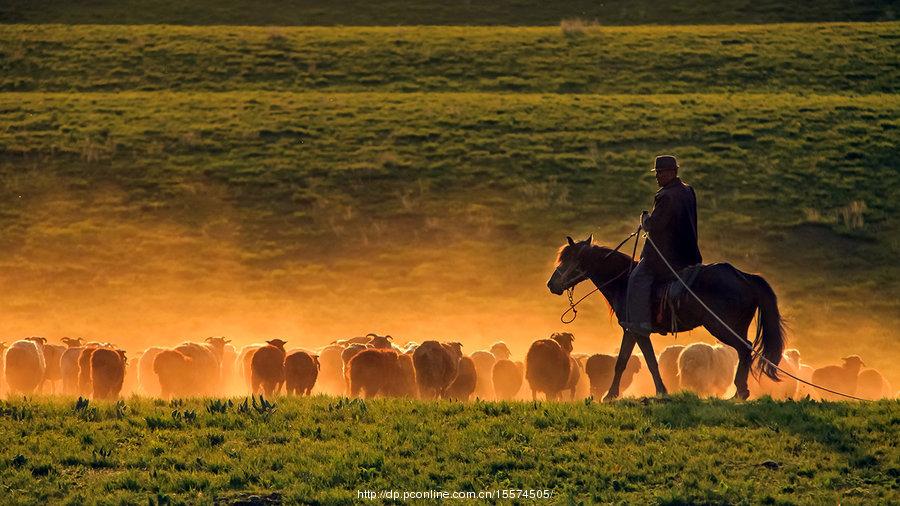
[(571, 290)]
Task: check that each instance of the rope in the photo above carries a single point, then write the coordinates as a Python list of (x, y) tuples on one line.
[(742, 339)]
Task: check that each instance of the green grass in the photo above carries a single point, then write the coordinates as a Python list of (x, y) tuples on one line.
[(323, 449), (817, 58), (431, 12)]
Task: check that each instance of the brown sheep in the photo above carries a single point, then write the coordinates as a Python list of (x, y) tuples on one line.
[(174, 373), (380, 342), (575, 374), (300, 372), (843, 378), (500, 351), (463, 384), (52, 372), (507, 379), (24, 366), (406, 383), (205, 367), (107, 373), (871, 385), (84, 369), (565, 340), (547, 368), (668, 367), (376, 371), (600, 370), (267, 368), (484, 365), (436, 365)]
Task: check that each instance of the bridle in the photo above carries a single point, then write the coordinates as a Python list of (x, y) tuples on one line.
[(570, 291)]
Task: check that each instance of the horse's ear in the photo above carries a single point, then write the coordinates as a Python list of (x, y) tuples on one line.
[(571, 241), (590, 239)]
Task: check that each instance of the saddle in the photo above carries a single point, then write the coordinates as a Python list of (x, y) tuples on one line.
[(668, 296)]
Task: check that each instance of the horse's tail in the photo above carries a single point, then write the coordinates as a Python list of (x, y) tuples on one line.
[(770, 329)]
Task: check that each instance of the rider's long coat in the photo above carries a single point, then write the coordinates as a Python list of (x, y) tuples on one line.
[(673, 227)]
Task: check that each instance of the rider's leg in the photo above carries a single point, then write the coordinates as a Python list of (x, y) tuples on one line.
[(637, 305)]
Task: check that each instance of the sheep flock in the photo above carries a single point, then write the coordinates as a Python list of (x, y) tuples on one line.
[(376, 365)]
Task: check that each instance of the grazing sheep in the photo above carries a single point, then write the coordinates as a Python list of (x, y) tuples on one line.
[(601, 368), (436, 365), (668, 367), (843, 378), (507, 379), (707, 370), (463, 384), (68, 365), (147, 377), (547, 368), (406, 383), (872, 385), (107, 373), (267, 367), (484, 365), (331, 371), (300, 372), (779, 390), (500, 351), (24, 366), (376, 371), (174, 373)]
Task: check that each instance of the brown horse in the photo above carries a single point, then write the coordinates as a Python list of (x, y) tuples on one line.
[(733, 295)]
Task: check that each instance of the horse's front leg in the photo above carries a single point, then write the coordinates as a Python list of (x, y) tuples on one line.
[(621, 363), (646, 347)]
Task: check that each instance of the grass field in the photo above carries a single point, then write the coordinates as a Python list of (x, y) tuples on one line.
[(680, 451), (798, 58), (431, 12)]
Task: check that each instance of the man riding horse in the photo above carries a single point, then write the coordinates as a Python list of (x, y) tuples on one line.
[(673, 227), (724, 299)]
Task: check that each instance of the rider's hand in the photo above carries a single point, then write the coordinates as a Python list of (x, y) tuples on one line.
[(644, 215)]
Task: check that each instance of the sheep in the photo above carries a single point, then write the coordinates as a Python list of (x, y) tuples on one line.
[(107, 373), (68, 365), (228, 370), (463, 384), (380, 342), (436, 365), (405, 385), (706, 370), (780, 390), (376, 371), (84, 369), (300, 372), (147, 377), (500, 351), (267, 367), (843, 378), (871, 385), (601, 368), (410, 347), (668, 367), (507, 379), (205, 366), (174, 372), (52, 372), (547, 368), (24, 366), (331, 375), (484, 364), (243, 363)]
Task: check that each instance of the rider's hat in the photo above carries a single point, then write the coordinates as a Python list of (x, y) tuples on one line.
[(665, 162)]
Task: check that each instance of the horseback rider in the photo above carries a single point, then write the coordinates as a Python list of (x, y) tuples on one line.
[(673, 228)]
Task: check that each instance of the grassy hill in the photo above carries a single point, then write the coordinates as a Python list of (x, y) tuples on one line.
[(432, 12), (799, 58), (676, 452)]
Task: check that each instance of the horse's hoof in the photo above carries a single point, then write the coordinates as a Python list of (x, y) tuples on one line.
[(610, 397), (741, 396)]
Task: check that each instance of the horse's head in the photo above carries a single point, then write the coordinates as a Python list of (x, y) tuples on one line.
[(569, 271)]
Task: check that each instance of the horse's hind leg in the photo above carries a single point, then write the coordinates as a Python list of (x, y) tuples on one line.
[(743, 348)]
